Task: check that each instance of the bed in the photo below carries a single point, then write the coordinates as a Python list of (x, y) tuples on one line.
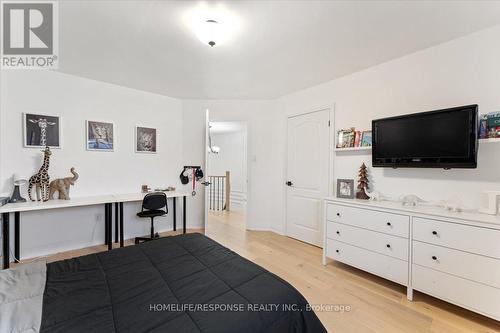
[(184, 283)]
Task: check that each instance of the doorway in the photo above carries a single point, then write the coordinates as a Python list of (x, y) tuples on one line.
[(308, 175), (226, 195)]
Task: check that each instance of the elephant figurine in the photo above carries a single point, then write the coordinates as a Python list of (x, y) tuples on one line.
[(62, 185)]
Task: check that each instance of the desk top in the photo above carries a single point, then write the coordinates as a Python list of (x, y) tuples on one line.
[(81, 201)]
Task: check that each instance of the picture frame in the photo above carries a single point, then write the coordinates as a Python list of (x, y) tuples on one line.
[(366, 139), (145, 140), (99, 136), (42, 130), (346, 138), (345, 188)]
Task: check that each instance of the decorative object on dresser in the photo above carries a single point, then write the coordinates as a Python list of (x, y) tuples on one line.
[(490, 202), (62, 186), (410, 200), (376, 195), (16, 195), (345, 188), (41, 179), (362, 183), (41, 131), (100, 136), (437, 252)]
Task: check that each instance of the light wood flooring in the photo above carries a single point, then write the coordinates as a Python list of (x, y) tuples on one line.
[(376, 305)]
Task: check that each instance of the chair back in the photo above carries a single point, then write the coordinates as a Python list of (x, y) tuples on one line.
[(154, 201)]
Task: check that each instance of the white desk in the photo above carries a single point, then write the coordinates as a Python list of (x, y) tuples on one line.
[(106, 200)]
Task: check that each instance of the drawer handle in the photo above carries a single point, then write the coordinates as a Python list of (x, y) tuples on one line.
[(388, 246), (435, 233), (338, 214), (434, 258), (338, 251), (338, 232), (389, 224)]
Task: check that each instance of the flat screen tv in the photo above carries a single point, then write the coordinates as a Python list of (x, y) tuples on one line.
[(445, 138)]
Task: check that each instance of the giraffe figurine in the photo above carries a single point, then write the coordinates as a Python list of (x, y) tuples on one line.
[(41, 179)]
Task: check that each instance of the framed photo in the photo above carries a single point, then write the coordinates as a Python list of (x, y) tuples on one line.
[(41, 131), (346, 138), (99, 136), (145, 140), (345, 188), (366, 139)]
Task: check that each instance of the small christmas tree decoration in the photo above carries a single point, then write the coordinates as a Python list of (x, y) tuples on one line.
[(362, 183)]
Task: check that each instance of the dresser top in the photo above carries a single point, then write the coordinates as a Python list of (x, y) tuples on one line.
[(422, 209)]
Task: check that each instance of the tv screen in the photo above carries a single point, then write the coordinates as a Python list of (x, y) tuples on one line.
[(436, 139)]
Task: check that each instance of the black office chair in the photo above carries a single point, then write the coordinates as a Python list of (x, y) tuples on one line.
[(152, 206)]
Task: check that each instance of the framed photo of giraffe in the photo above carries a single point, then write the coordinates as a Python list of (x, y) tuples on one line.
[(145, 140), (41, 131), (100, 136)]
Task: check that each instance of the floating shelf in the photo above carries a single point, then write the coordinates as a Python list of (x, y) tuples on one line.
[(366, 148), (492, 140)]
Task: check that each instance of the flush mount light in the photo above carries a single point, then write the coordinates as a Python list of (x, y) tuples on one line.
[(213, 25)]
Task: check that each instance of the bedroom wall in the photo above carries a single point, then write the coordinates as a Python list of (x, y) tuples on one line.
[(462, 71), (232, 157), (77, 99)]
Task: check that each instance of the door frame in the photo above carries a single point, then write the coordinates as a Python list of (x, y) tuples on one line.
[(247, 166), (331, 160)]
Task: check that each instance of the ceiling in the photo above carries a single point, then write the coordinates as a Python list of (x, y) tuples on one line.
[(279, 46)]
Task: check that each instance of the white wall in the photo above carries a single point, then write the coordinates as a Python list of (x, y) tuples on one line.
[(463, 71), (122, 171), (232, 157)]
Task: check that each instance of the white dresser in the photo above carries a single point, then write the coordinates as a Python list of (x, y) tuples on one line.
[(451, 256)]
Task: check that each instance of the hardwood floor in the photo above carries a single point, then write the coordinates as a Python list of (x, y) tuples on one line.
[(376, 305)]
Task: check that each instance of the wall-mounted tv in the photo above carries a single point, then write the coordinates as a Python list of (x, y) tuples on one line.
[(445, 138)]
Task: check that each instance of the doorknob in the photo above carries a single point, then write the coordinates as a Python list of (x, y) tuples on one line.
[(206, 183), (289, 183)]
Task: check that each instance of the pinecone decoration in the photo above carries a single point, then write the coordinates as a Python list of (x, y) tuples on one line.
[(362, 183)]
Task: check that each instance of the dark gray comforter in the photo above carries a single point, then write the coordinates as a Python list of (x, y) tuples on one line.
[(186, 283)]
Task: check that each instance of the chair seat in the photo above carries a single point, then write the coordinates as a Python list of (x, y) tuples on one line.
[(151, 213)]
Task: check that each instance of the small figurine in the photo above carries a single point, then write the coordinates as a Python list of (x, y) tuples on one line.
[(362, 183), (62, 186), (41, 179)]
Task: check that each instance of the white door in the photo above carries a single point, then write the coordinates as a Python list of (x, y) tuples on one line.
[(307, 175)]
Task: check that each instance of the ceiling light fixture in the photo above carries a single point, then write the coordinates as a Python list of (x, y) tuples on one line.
[(213, 25)]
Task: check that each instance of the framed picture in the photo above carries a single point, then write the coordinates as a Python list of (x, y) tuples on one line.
[(346, 138), (345, 188), (366, 139), (145, 140), (41, 131), (99, 136)]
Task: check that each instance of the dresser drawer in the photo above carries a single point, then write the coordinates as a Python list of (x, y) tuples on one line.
[(458, 236), (393, 224), (390, 268), (472, 295), (392, 246), (467, 265)]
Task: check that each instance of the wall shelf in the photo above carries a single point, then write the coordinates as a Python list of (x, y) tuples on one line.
[(492, 140), (365, 149)]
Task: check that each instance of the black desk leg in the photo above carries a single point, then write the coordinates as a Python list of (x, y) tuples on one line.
[(175, 215), (116, 222), (6, 240), (17, 236), (110, 226), (106, 240), (184, 214), (121, 224)]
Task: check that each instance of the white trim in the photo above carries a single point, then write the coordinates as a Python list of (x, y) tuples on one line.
[(135, 140), (87, 135)]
